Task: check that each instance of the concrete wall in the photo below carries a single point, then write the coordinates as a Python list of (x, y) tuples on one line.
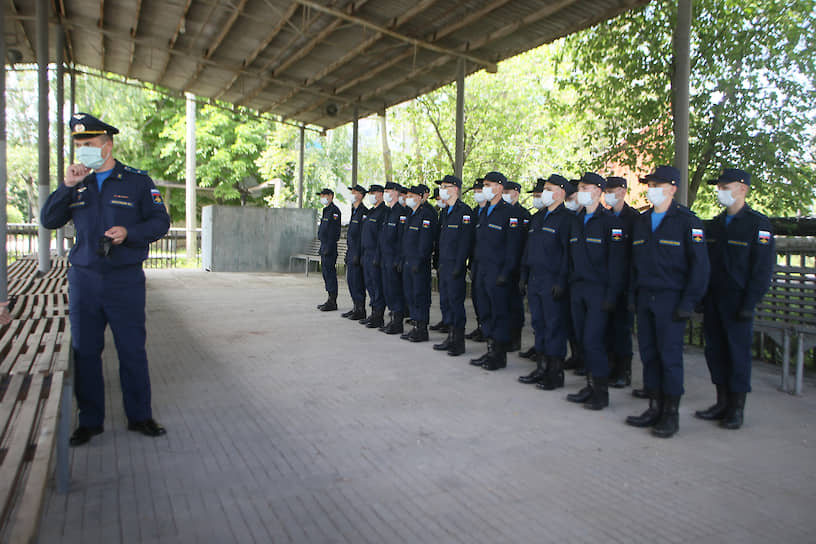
[(235, 239)]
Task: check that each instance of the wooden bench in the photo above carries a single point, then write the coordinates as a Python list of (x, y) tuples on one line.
[(788, 311), (35, 399), (312, 254)]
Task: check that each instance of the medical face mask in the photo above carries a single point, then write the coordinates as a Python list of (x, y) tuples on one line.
[(538, 203), (324, 201), (584, 198), (401, 200), (354, 198), (507, 197), (479, 197), (611, 199), (411, 202), (656, 195), (444, 194), (572, 205), (440, 203), (388, 198), (547, 198), (91, 157), (372, 199), (488, 193), (725, 198)]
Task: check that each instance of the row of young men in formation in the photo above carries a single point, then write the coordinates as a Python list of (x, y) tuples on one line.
[(586, 270)]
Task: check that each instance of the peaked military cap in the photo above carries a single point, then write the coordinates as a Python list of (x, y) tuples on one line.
[(85, 125)]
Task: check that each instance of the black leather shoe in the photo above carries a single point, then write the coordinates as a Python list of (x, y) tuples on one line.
[(148, 427), (441, 327), (640, 393), (529, 354), (83, 435)]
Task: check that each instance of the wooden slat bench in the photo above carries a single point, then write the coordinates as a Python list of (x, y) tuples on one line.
[(312, 254)]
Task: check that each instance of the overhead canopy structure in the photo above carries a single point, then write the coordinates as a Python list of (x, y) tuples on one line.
[(308, 61)]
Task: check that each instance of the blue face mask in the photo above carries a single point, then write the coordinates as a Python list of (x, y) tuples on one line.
[(91, 157)]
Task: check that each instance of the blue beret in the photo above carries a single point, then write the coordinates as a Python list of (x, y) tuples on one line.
[(593, 179), (663, 174), (84, 126), (732, 174), (613, 182), (495, 177)]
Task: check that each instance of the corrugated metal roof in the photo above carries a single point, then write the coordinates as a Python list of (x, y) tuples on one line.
[(310, 61)]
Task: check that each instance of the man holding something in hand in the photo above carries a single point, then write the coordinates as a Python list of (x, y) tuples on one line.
[(117, 212)]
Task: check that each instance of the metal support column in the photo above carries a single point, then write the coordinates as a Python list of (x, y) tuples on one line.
[(44, 235), (60, 125), (190, 179), (3, 176), (460, 118), (301, 155), (680, 95), (72, 103), (354, 138)]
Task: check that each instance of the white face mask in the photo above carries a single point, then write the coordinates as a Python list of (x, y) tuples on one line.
[(479, 197), (401, 200), (324, 200), (444, 194), (411, 202), (547, 198), (488, 193), (538, 203), (440, 203), (656, 195), (91, 157), (507, 197), (584, 198), (611, 199), (388, 197), (354, 198), (726, 197), (572, 205), (372, 199)]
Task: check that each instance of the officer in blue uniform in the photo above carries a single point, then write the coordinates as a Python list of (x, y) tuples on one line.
[(498, 256), (354, 254), (390, 244), (117, 212), (456, 231), (481, 205), (329, 233), (597, 267), (544, 276), (417, 251), (669, 275), (574, 361), (511, 194), (741, 249), (619, 331), (372, 273)]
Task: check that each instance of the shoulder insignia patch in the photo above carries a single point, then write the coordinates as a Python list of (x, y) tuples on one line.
[(403, 218), (513, 222), (156, 195), (336, 216), (134, 170), (697, 235), (426, 223), (617, 234), (466, 219), (763, 237)]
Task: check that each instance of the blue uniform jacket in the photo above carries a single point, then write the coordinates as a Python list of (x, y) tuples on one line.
[(329, 230), (128, 199), (419, 235), (391, 234), (499, 239), (372, 225), (456, 234), (627, 217), (742, 255), (354, 247), (547, 247), (673, 257), (525, 216), (598, 252)]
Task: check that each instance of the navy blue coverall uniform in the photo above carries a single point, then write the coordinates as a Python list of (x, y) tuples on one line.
[(669, 273), (498, 256), (621, 321), (545, 265), (391, 257), (516, 298), (597, 268), (354, 255), (742, 257), (456, 234), (329, 233), (477, 214), (109, 290), (372, 225), (417, 251)]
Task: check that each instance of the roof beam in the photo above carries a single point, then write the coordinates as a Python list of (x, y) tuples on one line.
[(261, 46), (101, 25), (489, 65), (172, 43), (59, 9), (208, 53), (16, 12), (133, 31)]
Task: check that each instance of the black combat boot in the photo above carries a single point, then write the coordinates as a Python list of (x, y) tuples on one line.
[(542, 361), (584, 394), (376, 319), (421, 334), (386, 325), (396, 325), (555, 375), (498, 359), (348, 314), (471, 335), (669, 422), (479, 361), (652, 414), (515, 340), (359, 312), (446, 343), (717, 411), (640, 393), (441, 327), (623, 372), (600, 394), (365, 319), (330, 305), (736, 410), (457, 345), (529, 354), (572, 361), (408, 335)]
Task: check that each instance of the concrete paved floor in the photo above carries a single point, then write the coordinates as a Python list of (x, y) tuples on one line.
[(290, 425)]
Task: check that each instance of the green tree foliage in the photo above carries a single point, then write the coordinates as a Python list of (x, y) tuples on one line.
[(752, 85)]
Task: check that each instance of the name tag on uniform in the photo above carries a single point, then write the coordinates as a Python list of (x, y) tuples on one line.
[(697, 235), (372, 220), (548, 229), (594, 240), (638, 242), (492, 226), (617, 235), (738, 243), (573, 240), (123, 203), (669, 242), (413, 228), (466, 219), (76, 204), (426, 223), (763, 237), (453, 226)]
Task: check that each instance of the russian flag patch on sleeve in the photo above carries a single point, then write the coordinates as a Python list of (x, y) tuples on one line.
[(426, 223), (763, 237), (156, 195), (617, 235), (513, 222), (697, 235)]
